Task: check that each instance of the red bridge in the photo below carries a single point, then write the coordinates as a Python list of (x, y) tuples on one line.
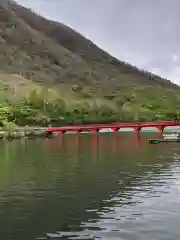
[(137, 126)]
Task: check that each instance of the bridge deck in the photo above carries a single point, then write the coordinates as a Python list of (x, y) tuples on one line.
[(137, 126)]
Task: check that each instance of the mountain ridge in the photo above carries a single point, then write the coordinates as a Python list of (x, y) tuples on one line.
[(50, 66), (80, 47)]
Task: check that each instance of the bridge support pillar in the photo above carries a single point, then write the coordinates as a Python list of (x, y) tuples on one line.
[(115, 130), (161, 130), (96, 130), (59, 133), (137, 130)]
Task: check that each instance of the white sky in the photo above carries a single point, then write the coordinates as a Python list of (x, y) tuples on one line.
[(143, 32)]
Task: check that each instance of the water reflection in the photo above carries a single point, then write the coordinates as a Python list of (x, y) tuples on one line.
[(84, 187)]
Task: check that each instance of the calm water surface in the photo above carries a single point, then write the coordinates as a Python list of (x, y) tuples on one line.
[(83, 188)]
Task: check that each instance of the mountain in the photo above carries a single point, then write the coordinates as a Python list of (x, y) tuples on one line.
[(38, 51)]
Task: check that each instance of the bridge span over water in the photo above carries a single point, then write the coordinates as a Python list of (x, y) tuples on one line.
[(115, 127)]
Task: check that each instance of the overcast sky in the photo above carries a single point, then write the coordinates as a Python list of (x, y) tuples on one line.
[(143, 32)]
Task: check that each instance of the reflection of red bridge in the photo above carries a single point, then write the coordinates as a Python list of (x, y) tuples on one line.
[(136, 126)]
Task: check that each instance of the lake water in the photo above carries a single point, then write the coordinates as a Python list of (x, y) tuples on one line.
[(81, 187)]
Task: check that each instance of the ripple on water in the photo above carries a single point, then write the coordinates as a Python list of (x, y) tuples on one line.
[(142, 211), (81, 193)]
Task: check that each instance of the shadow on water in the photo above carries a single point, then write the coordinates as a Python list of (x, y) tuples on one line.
[(89, 187)]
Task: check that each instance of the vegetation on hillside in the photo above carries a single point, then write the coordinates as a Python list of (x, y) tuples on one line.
[(38, 105), (52, 74)]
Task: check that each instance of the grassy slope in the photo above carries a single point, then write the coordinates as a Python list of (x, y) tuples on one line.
[(38, 53)]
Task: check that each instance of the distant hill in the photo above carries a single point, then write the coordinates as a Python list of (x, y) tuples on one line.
[(52, 55), (52, 52)]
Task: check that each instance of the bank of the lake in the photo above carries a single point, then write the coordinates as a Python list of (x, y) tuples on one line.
[(23, 133)]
